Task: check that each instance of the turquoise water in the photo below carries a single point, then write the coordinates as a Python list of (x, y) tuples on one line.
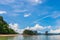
[(38, 37)]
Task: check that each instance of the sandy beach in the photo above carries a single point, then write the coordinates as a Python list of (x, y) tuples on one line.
[(9, 34)]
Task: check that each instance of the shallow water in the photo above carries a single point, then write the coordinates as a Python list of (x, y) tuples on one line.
[(37, 37)]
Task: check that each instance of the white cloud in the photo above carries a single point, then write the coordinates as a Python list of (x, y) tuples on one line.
[(3, 12), (38, 27), (27, 27), (14, 27), (55, 31), (27, 14)]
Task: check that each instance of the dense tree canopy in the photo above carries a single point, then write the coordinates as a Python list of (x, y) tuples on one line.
[(4, 27), (29, 32)]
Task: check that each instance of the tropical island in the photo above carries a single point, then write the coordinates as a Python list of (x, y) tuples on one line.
[(29, 32)]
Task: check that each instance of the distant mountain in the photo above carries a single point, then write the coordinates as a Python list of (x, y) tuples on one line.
[(4, 27)]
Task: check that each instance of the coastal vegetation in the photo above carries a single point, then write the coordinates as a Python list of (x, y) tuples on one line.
[(29, 32), (4, 27)]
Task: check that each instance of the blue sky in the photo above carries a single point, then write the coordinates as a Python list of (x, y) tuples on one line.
[(32, 13)]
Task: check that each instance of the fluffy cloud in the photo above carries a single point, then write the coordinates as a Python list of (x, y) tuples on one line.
[(3, 12), (14, 27), (27, 14), (55, 31), (38, 27)]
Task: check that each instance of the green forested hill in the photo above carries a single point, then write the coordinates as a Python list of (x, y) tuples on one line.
[(4, 27), (29, 32)]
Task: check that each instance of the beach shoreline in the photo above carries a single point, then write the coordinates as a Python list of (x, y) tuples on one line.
[(9, 34)]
